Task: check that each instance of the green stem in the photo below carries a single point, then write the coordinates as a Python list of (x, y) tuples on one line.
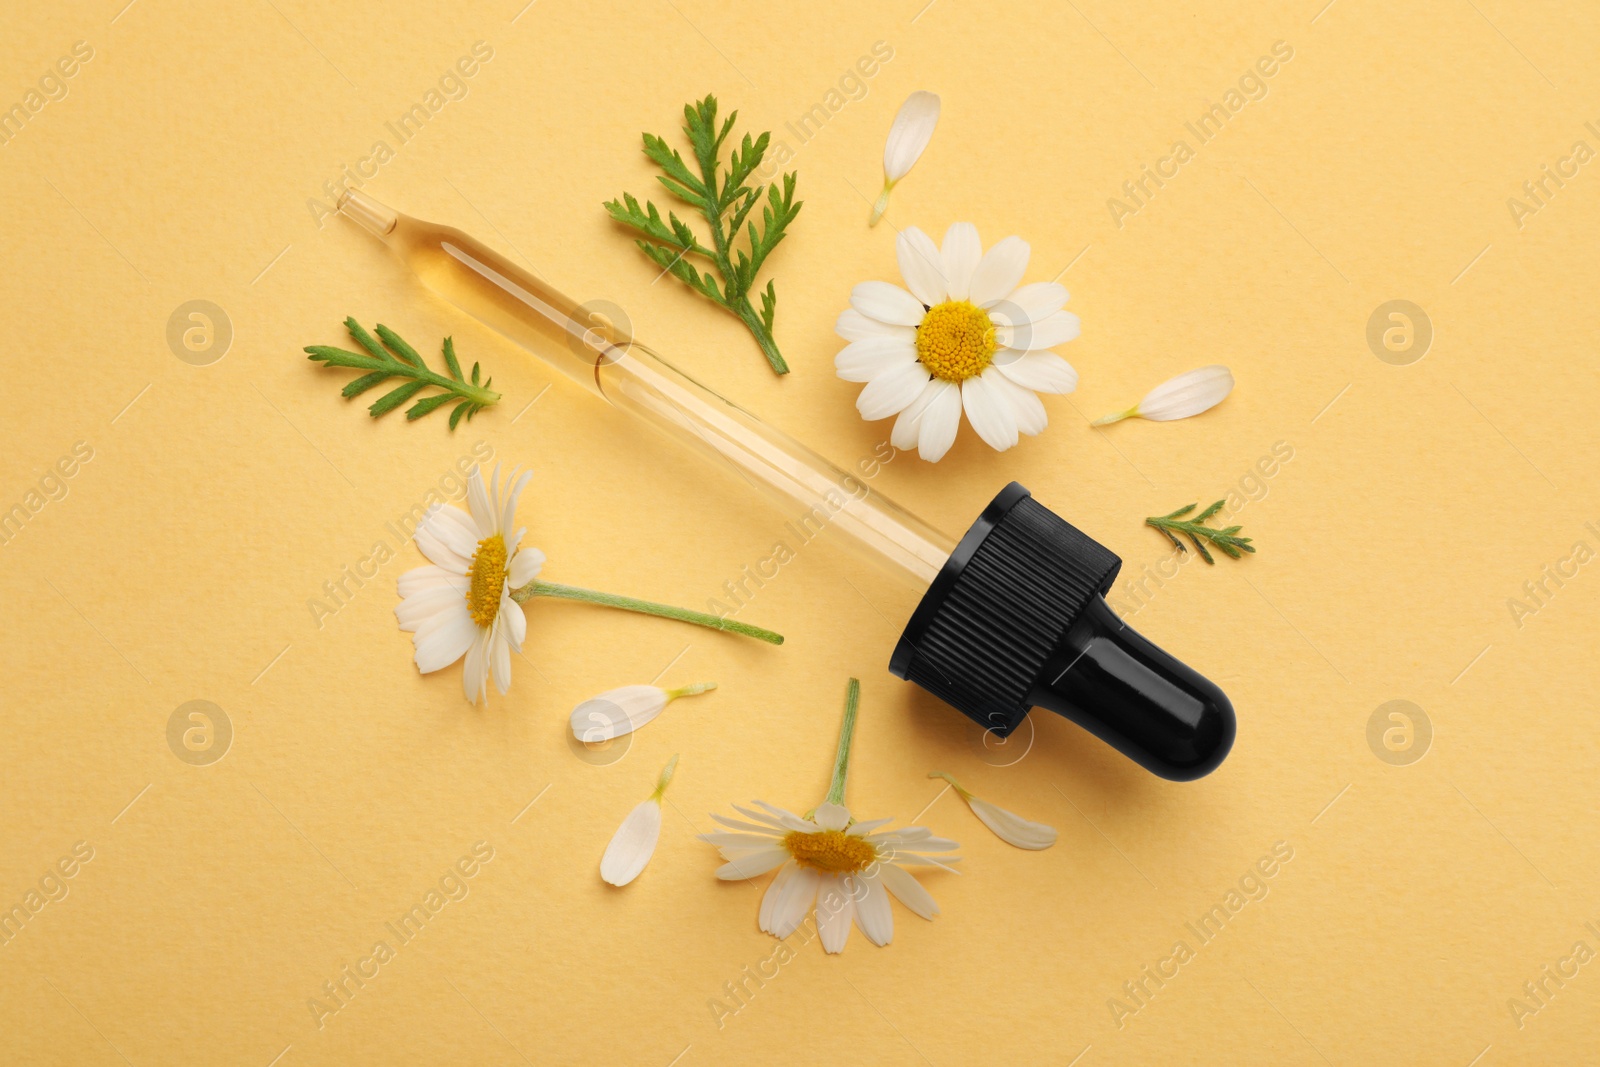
[(769, 347), (690, 690), (882, 203), (1118, 417), (644, 607), (847, 732)]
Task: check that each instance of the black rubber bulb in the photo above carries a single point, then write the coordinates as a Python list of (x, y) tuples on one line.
[(1017, 618)]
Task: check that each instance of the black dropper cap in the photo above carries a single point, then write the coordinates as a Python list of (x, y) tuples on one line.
[(1017, 618)]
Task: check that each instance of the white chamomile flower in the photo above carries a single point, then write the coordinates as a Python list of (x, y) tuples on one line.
[(965, 338), (847, 869), (461, 604), (1178, 398), (1008, 826), (910, 134), (622, 711), (468, 602), (635, 840)]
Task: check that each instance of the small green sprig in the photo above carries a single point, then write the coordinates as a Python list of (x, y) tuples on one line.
[(1199, 533), (726, 205), (397, 359)]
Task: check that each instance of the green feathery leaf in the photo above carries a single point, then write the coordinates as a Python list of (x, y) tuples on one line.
[(394, 358), (1227, 540), (725, 202)]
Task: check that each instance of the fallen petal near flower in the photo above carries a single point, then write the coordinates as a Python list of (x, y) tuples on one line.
[(910, 134), (1008, 826), (625, 709), (1178, 398), (635, 840)]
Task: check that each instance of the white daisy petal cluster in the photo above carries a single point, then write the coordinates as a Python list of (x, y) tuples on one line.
[(460, 604), (847, 869), (967, 336)]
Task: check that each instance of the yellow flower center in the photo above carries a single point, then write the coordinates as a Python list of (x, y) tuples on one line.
[(956, 341), (488, 574), (833, 851)]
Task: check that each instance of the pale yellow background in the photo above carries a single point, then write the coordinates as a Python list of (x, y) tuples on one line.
[(219, 498)]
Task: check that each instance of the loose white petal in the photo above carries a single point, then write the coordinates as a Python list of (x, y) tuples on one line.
[(617, 712), (892, 391), (887, 303), (1028, 408), (907, 890), (1043, 372), (921, 265), (990, 414), (962, 250), (940, 422), (633, 844), (862, 361), (873, 915), (912, 129), (998, 272), (1052, 330), (835, 909), (1187, 394), (1012, 828)]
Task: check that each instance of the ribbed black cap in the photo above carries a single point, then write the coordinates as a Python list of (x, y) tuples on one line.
[(1001, 604)]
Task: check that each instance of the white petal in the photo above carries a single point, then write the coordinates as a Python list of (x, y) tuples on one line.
[(617, 712), (1043, 372), (751, 864), (478, 500), (961, 250), (632, 845), (990, 413), (524, 566), (770, 829), (921, 265), (443, 644), (909, 422), (475, 669), (513, 622), (999, 272), (862, 829), (500, 657), (912, 129), (514, 488), (892, 391), (788, 819), (862, 361), (1052, 330), (907, 890), (835, 908), (887, 303), (454, 527), (424, 578), (1030, 303), (789, 911), (774, 895), (873, 916), (831, 816), (418, 608), (939, 424), (1187, 394), (1029, 409), (762, 817), (1012, 828), (445, 553), (854, 326)]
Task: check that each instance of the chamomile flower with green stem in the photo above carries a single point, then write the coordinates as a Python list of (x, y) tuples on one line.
[(847, 868), (468, 601)]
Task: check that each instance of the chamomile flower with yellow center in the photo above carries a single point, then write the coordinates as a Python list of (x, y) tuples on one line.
[(966, 337), (468, 601), (847, 869)]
